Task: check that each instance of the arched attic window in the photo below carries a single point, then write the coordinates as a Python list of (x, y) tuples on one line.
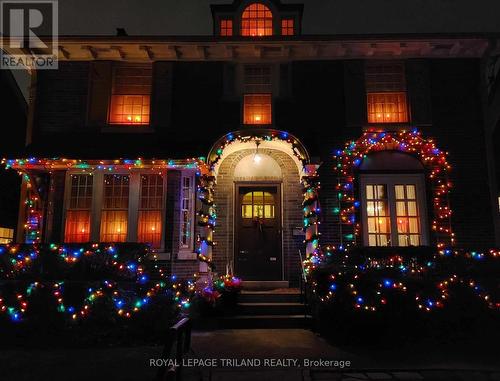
[(257, 21)]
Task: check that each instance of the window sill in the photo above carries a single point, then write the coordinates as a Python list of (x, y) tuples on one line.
[(186, 255), (126, 129)]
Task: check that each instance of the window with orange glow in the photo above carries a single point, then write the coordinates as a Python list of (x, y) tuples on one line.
[(287, 27), (387, 108), (257, 21), (257, 109), (226, 27), (393, 211), (131, 93), (150, 210), (386, 92), (114, 216), (378, 215), (77, 225)]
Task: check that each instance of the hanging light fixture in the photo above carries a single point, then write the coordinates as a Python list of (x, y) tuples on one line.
[(256, 157)]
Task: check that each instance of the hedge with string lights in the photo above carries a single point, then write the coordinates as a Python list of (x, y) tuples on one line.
[(415, 278), (77, 277)]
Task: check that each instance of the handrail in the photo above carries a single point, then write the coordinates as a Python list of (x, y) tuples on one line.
[(303, 283), (180, 335)]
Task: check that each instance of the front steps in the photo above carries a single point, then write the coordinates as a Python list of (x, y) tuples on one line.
[(272, 309)]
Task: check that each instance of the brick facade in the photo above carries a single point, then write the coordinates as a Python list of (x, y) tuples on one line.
[(223, 252)]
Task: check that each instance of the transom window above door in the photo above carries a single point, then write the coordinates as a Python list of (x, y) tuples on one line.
[(258, 205), (393, 210)]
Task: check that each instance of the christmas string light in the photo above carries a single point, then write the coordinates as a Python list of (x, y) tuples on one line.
[(435, 161), (427, 294)]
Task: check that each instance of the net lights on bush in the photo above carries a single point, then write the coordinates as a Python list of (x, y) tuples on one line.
[(18, 259), (435, 161), (370, 284)]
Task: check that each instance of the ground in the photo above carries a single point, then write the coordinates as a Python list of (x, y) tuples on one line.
[(412, 362)]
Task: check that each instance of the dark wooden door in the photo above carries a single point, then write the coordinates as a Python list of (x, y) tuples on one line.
[(258, 232)]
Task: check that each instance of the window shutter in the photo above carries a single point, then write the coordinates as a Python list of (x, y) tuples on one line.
[(229, 79), (100, 90), (284, 80), (418, 84), (161, 103), (355, 93)]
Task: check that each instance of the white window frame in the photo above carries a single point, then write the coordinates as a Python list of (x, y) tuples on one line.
[(390, 180), (97, 201), (187, 251)]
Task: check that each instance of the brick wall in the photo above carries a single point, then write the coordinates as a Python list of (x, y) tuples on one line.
[(457, 125), (223, 252)]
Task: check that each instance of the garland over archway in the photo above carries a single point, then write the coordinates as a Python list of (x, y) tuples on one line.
[(411, 142), (308, 177)]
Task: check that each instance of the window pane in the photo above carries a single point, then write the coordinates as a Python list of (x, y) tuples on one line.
[(287, 28), (226, 27), (114, 226), (187, 212), (407, 215), (410, 192), (387, 108), (257, 109), (77, 225), (77, 228), (256, 20), (399, 190), (377, 210), (149, 227), (246, 211)]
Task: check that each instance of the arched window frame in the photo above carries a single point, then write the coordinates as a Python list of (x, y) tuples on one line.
[(267, 8)]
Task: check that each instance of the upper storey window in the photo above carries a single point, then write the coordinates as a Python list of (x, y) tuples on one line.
[(257, 18), (257, 100), (257, 21), (386, 92), (130, 97), (287, 27), (226, 27)]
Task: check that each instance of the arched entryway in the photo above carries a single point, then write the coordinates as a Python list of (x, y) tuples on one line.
[(256, 186)]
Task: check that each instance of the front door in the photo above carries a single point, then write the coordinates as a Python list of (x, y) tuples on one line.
[(258, 232)]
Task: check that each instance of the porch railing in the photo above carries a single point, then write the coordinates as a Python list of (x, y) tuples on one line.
[(303, 284), (177, 345)]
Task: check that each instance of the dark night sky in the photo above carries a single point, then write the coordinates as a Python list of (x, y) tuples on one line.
[(192, 17)]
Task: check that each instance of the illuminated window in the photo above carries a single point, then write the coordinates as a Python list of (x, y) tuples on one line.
[(386, 92), (150, 210), (114, 217), (226, 27), (287, 27), (257, 101), (393, 212), (377, 210), (187, 211), (257, 21), (407, 215), (257, 205), (77, 227), (6, 235), (130, 99), (257, 109)]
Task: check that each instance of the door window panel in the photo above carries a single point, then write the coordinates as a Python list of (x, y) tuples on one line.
[(258, 205)]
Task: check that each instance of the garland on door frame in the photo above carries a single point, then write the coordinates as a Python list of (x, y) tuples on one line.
[(411, 142), (310, 181)]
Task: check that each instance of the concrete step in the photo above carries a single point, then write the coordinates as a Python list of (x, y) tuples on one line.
[(268, 297), (270, 308), (264, 322), (264, 284)]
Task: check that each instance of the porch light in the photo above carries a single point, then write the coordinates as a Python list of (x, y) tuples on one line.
[(256, 157)]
